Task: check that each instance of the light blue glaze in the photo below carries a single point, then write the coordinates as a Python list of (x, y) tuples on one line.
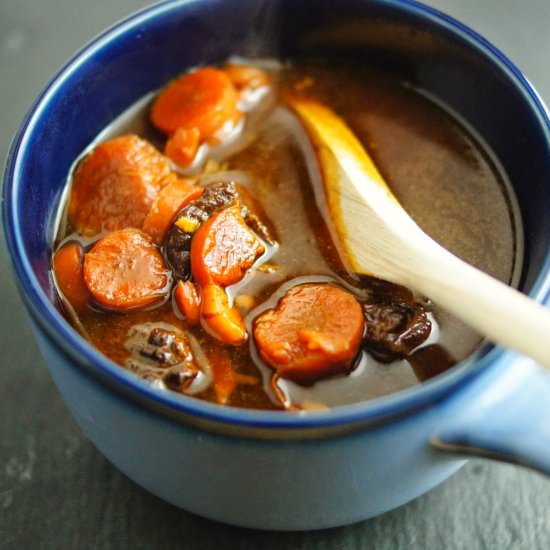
[(359, 460), (282, 485), (507, 418)]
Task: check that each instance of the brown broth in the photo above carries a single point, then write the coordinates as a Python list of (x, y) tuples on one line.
[(444, 177)]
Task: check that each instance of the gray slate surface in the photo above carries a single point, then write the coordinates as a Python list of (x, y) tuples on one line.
[(56, 490)]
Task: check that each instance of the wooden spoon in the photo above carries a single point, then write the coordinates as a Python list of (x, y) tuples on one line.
[(379, 238)]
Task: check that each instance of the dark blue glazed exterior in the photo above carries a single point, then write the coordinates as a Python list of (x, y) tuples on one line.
[(138, 55)]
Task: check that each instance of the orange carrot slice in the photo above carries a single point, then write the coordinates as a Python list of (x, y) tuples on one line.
[(182, 146), (67, 270), (219, 319), (204, 99), (125, 270), (314, 331), (115, 185), (223, 249), (188, 301), (170, 200)]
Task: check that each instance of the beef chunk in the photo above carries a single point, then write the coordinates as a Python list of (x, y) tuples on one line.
[(177, 251), (159, 351), (393, 329)]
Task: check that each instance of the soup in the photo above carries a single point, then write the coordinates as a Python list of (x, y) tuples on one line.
[(246, 300)]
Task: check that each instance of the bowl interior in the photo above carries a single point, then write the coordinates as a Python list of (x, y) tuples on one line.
[(139, 55)]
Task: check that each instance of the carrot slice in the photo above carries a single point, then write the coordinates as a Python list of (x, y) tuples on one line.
[(204, 99), (188, 301), (219, 319), (67, 270), (244, 77), (115, 185), (125, 270), (224, 248), (182, 145), (314, 331), (170, 200), (225, 377)]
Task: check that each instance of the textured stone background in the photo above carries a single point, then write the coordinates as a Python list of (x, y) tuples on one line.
[(56, 491)]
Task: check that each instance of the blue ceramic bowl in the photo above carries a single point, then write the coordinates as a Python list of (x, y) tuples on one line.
[(276, 470)]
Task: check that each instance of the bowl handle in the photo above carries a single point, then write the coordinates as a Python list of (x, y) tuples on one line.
[(507, 421)]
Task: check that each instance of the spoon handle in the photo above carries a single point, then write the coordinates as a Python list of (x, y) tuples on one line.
[(503, 314)]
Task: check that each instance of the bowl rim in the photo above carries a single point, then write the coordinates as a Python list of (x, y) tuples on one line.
[(83, 354)]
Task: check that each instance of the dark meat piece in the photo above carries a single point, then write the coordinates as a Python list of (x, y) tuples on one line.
[(179, 378), (161, 351), (177, 244), (386, 292), (215, 196), (166, 347), (393, 330), (177, 251)]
